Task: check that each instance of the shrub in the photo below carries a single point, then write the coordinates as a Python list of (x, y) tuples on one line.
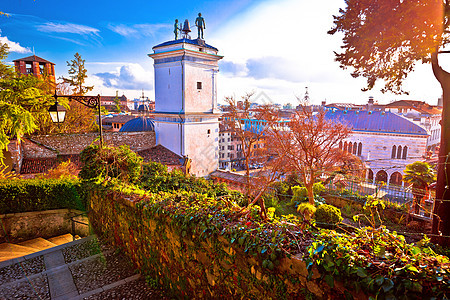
[(40, 194), (328, 214), (66, 169), (306, 210), (300, 194), (318, 188), (115, 162)]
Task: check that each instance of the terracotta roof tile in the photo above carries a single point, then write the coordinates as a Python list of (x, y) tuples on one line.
[(161, 155), (37, 165), (34, 58)]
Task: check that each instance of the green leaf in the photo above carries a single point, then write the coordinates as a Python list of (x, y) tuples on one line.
[(361, 272), (387, 285), (415, 250), (412, 269), (329, 280), (379, 279)]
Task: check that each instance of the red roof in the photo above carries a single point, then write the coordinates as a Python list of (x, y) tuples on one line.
[(34, 58), (161, 155), (37, 165)]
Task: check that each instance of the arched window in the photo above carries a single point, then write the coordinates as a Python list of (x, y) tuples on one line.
[(381, 176), (340, 145), (396, 178), (399, 152), (405, 152), (345, 146), (350, 147), (359, 149), (394, 151), (370, 176), (355, 146)]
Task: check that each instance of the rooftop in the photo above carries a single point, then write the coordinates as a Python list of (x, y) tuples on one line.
[(34, 58), (161, 154), (378, 121), (196, 42), (138, 124)]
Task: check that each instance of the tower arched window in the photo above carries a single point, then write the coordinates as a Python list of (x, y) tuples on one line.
[(394, 151), (405, 152), (350, 146), (399, 152), (355, 147), (359, 149), (345, 146), (340, 145)]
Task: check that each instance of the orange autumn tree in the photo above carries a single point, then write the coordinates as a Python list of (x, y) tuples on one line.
[(309, 145)]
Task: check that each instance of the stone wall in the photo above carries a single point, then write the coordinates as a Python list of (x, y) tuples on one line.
[(192, 266), (45, 224)]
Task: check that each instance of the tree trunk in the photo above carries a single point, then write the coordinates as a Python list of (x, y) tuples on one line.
[(309, 187), (441, 219)]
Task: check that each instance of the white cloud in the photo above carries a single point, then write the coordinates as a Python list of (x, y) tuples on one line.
[(123, 30), (137, 30), (127, 77), (13, 46), (281, 46), (67, 28)]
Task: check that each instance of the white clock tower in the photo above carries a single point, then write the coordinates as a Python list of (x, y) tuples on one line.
[(186, 114)]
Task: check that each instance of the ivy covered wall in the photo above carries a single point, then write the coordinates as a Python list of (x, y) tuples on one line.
[(196, 247)]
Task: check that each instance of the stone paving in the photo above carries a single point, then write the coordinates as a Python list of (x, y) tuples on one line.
[(83, 269)]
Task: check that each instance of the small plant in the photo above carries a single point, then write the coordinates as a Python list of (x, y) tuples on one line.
[(328, 214), (306, 210), (66, 169), (300, 194), (114, 162), (372, 207)]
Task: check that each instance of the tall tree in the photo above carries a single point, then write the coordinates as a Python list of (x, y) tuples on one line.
[(239, 120), (77, 76), (419, 175), (383, 40)]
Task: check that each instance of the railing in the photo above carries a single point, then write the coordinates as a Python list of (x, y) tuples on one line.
[(72, 219), (393, 193)]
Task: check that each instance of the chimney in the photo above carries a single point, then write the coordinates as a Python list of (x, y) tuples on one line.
[(439, 102), (370, 104)]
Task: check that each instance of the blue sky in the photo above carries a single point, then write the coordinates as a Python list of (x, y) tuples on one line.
[(275, 48)]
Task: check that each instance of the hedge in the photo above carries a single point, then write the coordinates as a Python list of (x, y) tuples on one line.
[(18, 196)]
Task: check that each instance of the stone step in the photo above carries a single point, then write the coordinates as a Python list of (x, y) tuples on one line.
[(10, 251), (61, 239), (38, 244)]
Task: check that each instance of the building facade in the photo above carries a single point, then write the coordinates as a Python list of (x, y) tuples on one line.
[(385, 141)]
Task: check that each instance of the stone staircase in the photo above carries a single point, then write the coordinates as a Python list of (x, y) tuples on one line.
[(60, 268), (10, 251)]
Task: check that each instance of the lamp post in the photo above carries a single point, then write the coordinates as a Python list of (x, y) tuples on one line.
[(58, 112)]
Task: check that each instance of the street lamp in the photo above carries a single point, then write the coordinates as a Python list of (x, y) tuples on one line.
[(58, 112)]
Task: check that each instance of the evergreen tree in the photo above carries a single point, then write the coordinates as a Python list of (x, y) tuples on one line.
[(117, 103), (77, 76)]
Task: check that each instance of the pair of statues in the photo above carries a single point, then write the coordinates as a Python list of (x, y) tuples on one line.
[(199, 22)]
